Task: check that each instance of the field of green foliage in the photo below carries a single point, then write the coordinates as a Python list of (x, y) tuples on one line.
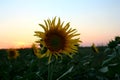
[(86, 64)]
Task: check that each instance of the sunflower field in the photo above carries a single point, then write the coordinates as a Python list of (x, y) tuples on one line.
[(85, 65), (56, 55)]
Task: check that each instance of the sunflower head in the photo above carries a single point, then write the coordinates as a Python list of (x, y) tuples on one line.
[(12, 53), (57, 38)]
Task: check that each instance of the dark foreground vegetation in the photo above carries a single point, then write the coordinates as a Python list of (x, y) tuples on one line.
[(85, 65)]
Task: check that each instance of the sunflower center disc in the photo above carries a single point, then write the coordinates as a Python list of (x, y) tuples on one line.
[(55, 42), (12, 53)]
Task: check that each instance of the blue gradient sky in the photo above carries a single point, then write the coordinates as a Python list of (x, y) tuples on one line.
[(97, 21)]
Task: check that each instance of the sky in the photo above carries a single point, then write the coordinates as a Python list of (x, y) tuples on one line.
[(97, 21)]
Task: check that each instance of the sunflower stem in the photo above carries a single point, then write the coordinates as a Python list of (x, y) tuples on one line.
[(50, 70)]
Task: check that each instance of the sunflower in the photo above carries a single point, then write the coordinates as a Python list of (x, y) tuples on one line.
[(36, 51), (12, 53), (94, 48), (57, 39)]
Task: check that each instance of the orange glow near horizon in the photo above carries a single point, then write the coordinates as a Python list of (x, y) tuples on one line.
[(22, 45), (16, 45)]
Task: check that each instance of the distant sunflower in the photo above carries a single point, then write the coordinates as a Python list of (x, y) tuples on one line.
[(57, 39), (94, 48), (12, 53)]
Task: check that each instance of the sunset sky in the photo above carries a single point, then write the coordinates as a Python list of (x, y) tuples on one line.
[(97, 21)]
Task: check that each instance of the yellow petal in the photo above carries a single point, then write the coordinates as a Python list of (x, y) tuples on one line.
[(49, 22), (61, 25), (58, 24), (53, 22), (71, 30), (73, 35), (43, 55), (45, 29), (66, 26), (41, 42), (48, 53), (39, 34), (70, 56), (56, 56)]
